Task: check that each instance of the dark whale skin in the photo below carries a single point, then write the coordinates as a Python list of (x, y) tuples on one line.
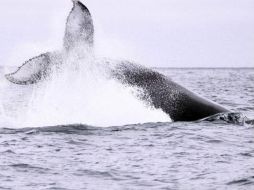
[(161, 92)]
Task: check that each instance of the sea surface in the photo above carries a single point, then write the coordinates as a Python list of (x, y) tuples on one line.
[(157, 155)]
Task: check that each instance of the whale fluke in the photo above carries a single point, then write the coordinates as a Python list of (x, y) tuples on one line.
[(79, 29), (78, 33)]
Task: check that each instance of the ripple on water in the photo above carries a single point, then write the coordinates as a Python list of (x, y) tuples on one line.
[(243, 182), (29, 168)]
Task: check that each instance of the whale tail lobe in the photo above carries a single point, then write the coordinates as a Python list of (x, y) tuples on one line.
[(35, 69), (79, 30)]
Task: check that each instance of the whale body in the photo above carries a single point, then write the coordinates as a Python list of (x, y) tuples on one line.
[(178, 102), (158, 90)]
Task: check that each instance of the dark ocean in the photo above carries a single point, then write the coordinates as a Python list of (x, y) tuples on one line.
[(155, 155)]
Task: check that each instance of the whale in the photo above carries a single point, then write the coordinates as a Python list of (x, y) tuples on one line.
[(158, 90)]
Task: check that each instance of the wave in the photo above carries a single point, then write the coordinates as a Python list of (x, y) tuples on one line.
[(84, 129), (81, 128)]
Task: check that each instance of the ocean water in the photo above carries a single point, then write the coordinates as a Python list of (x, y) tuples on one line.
[(136, 154)]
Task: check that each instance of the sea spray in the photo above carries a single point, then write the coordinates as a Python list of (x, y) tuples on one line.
[(80, 90)]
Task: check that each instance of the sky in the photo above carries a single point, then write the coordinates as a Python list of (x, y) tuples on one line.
[(161, 33)]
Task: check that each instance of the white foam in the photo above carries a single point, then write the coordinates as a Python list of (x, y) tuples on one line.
[(82, 92)]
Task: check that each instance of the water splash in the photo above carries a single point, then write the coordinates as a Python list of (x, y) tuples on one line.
[(81, 91), (228, 117)]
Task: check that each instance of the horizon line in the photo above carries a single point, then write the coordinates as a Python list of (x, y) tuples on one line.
[(163, 67), (202, 67)]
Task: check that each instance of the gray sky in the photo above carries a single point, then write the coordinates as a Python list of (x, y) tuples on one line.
[(167, 33)]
